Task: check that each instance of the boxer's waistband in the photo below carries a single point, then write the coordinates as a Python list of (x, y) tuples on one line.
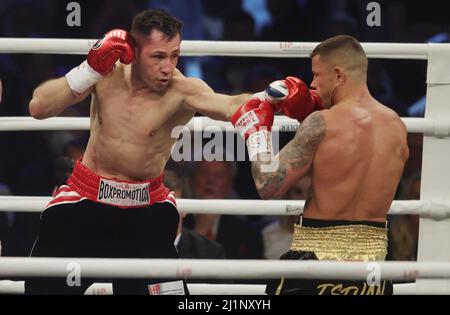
[(340, 240), (120, 193)]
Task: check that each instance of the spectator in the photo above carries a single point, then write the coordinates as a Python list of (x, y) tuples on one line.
[(190, 244), (404, 229), (11, 242), (72, 151), (214, 180)]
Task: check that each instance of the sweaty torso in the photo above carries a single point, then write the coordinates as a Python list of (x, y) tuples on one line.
[(358, 164), (132, 133)]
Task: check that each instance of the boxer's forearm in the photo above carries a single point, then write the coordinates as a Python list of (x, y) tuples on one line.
[(268, 175), (274, 175), (230, 104), (52, 97), (236, 102)]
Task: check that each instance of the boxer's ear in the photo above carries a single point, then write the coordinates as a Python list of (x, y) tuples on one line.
[(340, 75)]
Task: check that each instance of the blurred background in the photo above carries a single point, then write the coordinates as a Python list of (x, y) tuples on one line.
[(33, 163)]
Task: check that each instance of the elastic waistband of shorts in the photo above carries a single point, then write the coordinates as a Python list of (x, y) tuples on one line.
[(116, 192), (329, 223)]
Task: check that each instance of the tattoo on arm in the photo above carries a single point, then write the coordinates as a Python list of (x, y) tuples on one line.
[(267, 182), (300, 151), (297, 153)]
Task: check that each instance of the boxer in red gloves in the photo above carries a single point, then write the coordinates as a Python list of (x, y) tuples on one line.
[(115, 203), (355, 151), (293, 98)]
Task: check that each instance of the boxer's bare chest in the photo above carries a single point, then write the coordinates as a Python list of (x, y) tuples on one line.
[(116, 108)]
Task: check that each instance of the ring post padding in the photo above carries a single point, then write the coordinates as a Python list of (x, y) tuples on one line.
[(434, 231)]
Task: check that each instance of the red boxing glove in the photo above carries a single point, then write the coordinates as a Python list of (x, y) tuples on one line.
[(116, 44), (293, 98), (254, 122)]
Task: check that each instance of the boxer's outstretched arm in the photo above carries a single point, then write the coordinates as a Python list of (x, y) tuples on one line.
[(52, 97), (219, 106), (292, 162), (201, 98)]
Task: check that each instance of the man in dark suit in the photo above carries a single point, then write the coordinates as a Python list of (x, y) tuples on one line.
[(194, 245), (190, 244), (214, 180)]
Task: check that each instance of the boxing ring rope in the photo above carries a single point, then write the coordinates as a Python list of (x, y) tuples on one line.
[(220, 268), (434, 244), (104, 288), (418, 125), (242, 207), (218, 48), (217, 269)]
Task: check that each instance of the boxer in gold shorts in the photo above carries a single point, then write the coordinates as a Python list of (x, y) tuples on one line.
[(353, 147)]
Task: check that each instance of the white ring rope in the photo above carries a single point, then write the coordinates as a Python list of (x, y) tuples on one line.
[(221, 269), (430, 209), (103, 288), (197, 124), (220, 48), (436, 123)]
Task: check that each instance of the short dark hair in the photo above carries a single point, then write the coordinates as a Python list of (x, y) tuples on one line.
[(148, 20), (337, 43), (347, 48)]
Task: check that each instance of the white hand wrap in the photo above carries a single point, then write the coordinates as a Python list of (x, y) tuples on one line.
[(81, 78), (259, 142)]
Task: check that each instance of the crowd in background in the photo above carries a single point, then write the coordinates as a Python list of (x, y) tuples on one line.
[(33, 163)]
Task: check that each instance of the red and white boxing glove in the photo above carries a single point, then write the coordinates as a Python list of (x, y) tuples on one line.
[(293, 98), (114, 45), (254, 121)]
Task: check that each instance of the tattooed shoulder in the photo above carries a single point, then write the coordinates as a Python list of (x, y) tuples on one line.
[(301, 149), (297, 153)]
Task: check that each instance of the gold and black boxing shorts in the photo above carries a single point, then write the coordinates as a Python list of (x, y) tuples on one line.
[(334, 240)]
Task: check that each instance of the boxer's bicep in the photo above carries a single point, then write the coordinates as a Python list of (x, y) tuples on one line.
[(195, 93), (53, 97), (201, 98)]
